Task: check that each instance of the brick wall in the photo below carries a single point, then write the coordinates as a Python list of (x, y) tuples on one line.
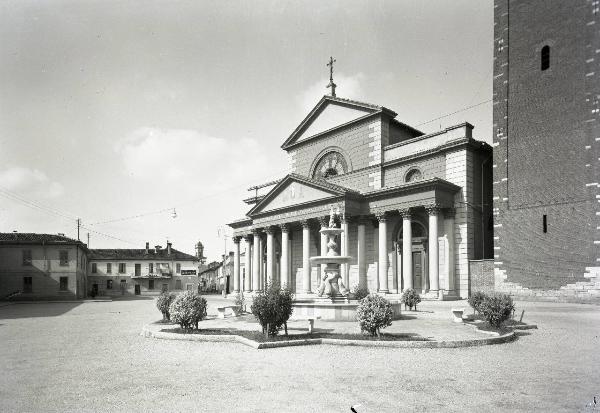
[(482, 275), (546, 150), (431, 167)]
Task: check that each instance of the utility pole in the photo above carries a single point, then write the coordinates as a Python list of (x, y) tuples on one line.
[(78, 225), (88, 236)]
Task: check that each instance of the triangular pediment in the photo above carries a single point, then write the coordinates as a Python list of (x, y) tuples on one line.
[(293, 191), (329, 113)]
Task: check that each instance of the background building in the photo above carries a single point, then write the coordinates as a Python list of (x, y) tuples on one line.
[(42, 266), (208, 277), (415, 207), (141, 271), (546, 149)]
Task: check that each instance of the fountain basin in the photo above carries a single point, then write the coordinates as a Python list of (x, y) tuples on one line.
[(337, 309), (330, 259)]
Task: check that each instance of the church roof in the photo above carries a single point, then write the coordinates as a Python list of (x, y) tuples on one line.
[(334, 189), (368, 109)]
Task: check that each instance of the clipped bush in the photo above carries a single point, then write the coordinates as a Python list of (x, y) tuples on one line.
[(359, 292), (188, 309), (497, 308), (163, 301), (273, 308), (374, 313), (410, 298), (476, 299)]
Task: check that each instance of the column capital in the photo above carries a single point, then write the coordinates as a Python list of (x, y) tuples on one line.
[(433, 209), (269, 229), (249, 237), (284, 227), (256, 231), (380, 215), (323, 221), (405, 213), (237, 239), (305, 223), (362, 220)]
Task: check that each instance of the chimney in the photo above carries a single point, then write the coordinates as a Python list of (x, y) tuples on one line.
[(157, 249), (169, 248), (147, 247)]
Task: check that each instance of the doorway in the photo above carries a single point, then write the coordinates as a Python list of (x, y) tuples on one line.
[(138, 290), (417, 271), (94, 290)]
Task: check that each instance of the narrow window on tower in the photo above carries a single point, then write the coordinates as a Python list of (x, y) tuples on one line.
[(545, 57), (545, 223)]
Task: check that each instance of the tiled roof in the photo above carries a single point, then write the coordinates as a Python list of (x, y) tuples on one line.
[(140, 254), (34, 238)]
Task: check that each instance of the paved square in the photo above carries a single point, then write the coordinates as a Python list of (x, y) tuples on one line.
[(90, 357)]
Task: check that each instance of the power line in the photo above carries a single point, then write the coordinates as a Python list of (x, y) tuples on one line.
[(454, 113)]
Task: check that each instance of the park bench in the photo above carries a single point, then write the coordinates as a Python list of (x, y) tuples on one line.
[(311, 321), (458, 314), (234, 309)]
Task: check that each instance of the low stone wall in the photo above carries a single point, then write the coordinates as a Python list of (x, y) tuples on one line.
[(481, 273)]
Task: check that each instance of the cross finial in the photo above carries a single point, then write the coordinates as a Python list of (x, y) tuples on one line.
[(331, 84)]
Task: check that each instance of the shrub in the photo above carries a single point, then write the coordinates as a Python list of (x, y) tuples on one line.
[(411, 298), (374, 313), (187, 309), (359, 292), (273, 308), (496, 309), (476, 299), (163, 301)]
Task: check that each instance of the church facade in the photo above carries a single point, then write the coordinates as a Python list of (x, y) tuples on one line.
[(415, 207)]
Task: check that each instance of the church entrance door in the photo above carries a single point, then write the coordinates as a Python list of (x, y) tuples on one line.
[(417, 271)]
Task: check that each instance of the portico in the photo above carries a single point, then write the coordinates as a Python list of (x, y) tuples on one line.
[(378, 230)]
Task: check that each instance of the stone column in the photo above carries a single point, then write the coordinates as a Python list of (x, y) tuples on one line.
[(248, 263), (285, 269), (270, 254), (449, 216), (345, 247), (407, 275), (382, 264), (236, 264), (434, 276), (306, 257), (324, 224), (256, 261), (362, 254)]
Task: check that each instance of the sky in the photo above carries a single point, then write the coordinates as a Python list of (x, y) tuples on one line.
[(126, 113)]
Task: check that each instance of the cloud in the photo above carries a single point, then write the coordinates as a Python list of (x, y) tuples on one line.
[(348, 87), (31, 182), (187, 159)]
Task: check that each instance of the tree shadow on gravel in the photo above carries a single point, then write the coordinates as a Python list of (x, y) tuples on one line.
[(39, 309)]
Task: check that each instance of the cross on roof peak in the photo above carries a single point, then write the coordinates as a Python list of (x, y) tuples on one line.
[(331, 84)]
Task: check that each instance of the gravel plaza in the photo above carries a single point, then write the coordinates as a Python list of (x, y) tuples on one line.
[(90, 356)]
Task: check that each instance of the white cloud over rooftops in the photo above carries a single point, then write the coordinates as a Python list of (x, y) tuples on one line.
[(31, 182)]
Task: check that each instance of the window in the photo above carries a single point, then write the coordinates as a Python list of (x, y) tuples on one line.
[(413, 175), (109, 268), (151, 284), (122, 268), (178, 268), (545, 223), (330, 164), (138, 270), (165, 288), (545, 57), (27, 284), (109, 284), (27, 257), (63, 258), (178, 284), (94, 268), (64, 283), (151, 268)]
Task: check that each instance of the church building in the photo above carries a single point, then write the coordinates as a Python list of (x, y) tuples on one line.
[(415, 207)]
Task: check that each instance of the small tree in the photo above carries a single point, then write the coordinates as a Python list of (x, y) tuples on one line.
[(374, 313), (410, 298), (273, 308), (497, 308), (359, 292), (476, 299), (240, 301), (188, 309), (163, 301)]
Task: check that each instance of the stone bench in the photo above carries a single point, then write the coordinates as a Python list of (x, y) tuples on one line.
[(234, 309), (311, 321), (458, 314)]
